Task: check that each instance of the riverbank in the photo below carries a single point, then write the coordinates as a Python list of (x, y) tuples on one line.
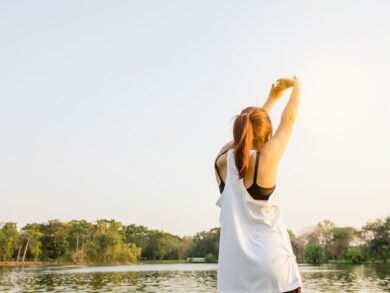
[(59, 263), (34, 263), (62, 263)]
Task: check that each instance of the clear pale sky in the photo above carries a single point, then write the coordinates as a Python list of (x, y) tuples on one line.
[(117, 109)]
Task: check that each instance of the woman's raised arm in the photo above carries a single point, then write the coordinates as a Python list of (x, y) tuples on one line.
[(277, 144)]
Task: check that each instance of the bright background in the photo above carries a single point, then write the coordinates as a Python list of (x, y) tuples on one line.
[(117, 109)]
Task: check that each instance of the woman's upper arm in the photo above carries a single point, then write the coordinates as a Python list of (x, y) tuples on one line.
[(276, 146)]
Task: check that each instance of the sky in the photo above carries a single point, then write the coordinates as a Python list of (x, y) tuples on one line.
[(117, 109)]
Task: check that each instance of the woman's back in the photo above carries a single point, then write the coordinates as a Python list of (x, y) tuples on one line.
[(255, 253), (261, 170)]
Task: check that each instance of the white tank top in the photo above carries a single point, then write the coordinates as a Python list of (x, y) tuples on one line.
[(255, 252)]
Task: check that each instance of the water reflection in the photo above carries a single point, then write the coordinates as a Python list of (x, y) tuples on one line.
[(347, 278), (180, 278)]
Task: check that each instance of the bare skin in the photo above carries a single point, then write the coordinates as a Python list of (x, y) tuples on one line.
[(273, 149)]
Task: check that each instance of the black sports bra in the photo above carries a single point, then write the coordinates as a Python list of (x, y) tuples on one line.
[(255, 191)]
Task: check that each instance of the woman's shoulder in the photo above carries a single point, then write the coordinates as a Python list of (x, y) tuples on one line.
[(225, 149), (222, 157)]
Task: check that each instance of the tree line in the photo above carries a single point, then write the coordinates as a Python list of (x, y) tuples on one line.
[(327, 242), (111, 242)]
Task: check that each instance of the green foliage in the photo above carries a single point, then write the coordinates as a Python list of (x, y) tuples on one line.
[(9, 238), (291, 235), (54, 239), (107, 244), (205, 242), (354, 255), (342, 237), (377, 236), (157, 244), (111, 242), (128, 253), (326, 242), (210, 258), (139, 235), (78, 234), (31, 237), (313, 253)]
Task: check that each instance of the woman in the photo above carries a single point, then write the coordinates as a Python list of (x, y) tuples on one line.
[(255, 252)]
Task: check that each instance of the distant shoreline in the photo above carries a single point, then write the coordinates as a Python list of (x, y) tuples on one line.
[(59, 263), (32, 263)]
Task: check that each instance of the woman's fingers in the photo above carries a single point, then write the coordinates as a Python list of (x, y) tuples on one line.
[(286, 79), (282, 84)]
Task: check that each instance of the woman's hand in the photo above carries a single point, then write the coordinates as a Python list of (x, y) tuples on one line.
[(278, 89), (281, 85)]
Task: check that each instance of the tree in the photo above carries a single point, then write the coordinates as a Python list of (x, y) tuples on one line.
[(210, 257), (107, 244), (9, 237), (54, 239), (78, 234), (139, 235), (157, 245), (377, 235), (185, 244), (354, 255), (342, 236), (205, 242), (31, 238), (325, 231), (294, 241), (313, 253)]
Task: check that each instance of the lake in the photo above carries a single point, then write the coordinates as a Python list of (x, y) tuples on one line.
[(179, 278)]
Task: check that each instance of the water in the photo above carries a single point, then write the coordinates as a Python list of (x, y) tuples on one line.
[(179, 278)]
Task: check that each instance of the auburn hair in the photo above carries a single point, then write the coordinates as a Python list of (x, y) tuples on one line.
[(252, 128)]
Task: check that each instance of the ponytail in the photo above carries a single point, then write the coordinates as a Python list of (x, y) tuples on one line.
[(243, 139)]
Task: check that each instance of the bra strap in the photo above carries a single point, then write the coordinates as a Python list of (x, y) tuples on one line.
[(256, 166), (215, 164)]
